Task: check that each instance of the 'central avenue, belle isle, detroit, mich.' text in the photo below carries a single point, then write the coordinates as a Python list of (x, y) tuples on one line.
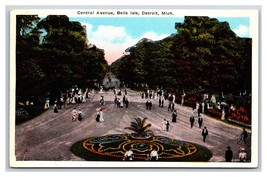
[(137, 13)]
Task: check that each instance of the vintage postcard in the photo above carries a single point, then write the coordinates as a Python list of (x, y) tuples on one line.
[(124, 88)]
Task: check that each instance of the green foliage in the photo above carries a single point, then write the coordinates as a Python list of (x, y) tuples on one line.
[(53, 55), (140, 127), (25, 24), (204, 53)]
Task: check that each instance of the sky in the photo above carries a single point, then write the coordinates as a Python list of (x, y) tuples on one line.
[(114, 34)]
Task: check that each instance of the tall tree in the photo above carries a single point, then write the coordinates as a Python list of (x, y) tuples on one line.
[(204, 54), (53, 54)]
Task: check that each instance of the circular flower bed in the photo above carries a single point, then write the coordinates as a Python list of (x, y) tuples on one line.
[(113, 148)]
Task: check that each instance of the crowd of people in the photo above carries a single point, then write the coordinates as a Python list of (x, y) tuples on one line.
[(75, 97), (121, 102), (71, 96)]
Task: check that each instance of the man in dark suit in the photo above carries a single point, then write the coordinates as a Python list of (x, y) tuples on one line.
[(147, 105), (200, 121), (192, 120), (244, 135), (205, 134), (228, 154)]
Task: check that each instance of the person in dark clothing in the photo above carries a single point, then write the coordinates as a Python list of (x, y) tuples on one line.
[(174, 116), (55, 108), (200, 121), (126, 103), (102, 102), (76, 99), (170, 98), (97, 117), (205, 134), (244, 135), (80, 115), (123, 99), (150, 95), (192, 120), (228, 154), (118, 103), (168, 126), (147, 105), (142, 95), (79, 99), (115, 101)]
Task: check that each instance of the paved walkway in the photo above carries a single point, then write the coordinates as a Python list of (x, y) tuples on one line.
[(50, 135)]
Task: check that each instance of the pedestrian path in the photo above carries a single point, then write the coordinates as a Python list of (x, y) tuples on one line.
[(50, 135)]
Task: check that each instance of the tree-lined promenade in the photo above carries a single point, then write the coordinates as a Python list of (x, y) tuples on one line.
[(204, 59), (205, 56), (50, 135)]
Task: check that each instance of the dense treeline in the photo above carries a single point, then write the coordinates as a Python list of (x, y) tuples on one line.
[(52, 55), (204, 54)]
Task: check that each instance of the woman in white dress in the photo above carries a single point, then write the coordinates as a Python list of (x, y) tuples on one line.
[(74, 114), (84, 98), (164, 125), (128, 155), (72, 100), (154, 155), (101, 118), (121, 104)]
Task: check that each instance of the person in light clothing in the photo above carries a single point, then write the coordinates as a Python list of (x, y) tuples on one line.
[(128, 155), (164, 125), (46, 106), (101, 118), (242, 155), (74, 114), (154, 155)]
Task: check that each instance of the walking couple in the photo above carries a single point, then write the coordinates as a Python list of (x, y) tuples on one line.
[(165, 125)]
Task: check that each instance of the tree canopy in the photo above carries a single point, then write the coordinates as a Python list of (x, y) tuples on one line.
[(204, 54), (53, 54)]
